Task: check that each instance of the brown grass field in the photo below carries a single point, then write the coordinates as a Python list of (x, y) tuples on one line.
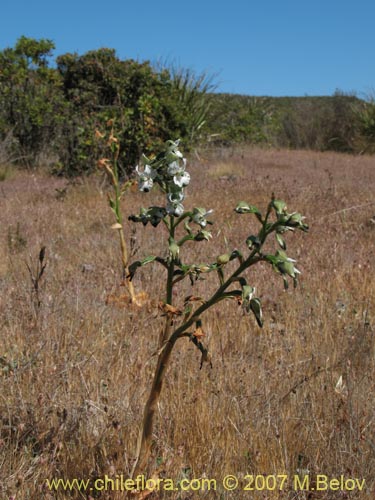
[(75, 371)]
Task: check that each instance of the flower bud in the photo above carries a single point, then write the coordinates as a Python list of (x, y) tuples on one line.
[(223, 259)]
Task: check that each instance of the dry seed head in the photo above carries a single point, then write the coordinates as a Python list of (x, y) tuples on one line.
[(104, 163), (199, 333), (169, 309), (98, 134), (112, 140)]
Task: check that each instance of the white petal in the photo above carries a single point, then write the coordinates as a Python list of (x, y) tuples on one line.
[(185, 179), (176, 197), (146, 185), (176, 209), (173, 168)]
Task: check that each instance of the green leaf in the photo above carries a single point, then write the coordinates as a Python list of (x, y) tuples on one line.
[(280, 241), (233, 294), (247, 292), (139, 263), (286, 267), (112, 204), (282, 256), (245, 208), (253, 241), (132, 269), (174, 249), (203, 235), (256, 308), (147, 260), (279, 206), (145, 160), (296, 220), (286, 284), (272, 259), (220, 274), (236, 254)]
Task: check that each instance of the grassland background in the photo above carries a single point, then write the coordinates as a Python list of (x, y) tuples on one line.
[(75, 372)]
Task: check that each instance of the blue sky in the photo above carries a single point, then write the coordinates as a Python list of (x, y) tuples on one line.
[(274, 47)]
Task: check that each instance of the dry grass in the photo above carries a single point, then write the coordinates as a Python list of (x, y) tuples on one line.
[(75, 372)]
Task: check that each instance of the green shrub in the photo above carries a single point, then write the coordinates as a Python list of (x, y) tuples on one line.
[(365, 126), (30, 99), (239, 119), (317, 123), (55, 111)]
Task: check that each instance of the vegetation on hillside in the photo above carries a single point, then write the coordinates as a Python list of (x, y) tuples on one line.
[(53, 112), (49, 111), (318, 123)]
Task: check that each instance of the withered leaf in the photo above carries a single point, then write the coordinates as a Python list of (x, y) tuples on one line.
[(169, 309), (193, 298), (199, 333)]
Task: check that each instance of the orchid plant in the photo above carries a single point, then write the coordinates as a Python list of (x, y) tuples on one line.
[(168, 171)]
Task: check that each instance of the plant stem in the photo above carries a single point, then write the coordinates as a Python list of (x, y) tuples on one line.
[(169, 289), (124, 250), (125, 262), (168, 342), (171, 265), (145, 435)]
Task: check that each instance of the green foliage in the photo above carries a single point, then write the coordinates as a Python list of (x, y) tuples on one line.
[(241, 119), (53, 112), (30, 98), (56, 111), (99, 86), (318, 123), (186, 103), (147, 106), (365, 126)]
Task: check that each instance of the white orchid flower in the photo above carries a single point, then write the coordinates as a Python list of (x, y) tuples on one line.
[(146, 178), (173, 149), (182, 179), (199, 216), (174, 208), (173, 168), (177, 171), (175, 197)]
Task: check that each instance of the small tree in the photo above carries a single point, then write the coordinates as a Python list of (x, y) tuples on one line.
[(168, 171), (31, 100)]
